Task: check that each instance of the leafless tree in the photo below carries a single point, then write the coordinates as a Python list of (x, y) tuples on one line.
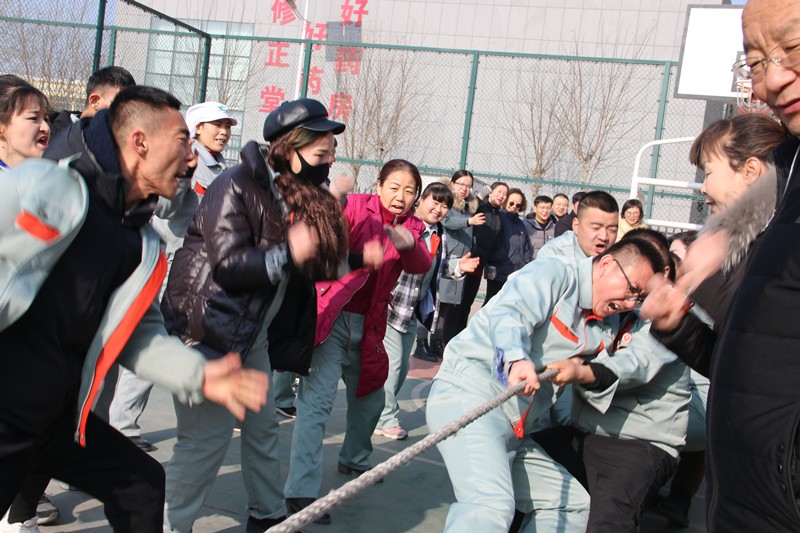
[(535, 124), (384, 94), (233, 85), (595, 97), (55, 58)]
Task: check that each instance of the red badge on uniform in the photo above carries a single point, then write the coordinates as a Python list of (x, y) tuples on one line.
[(435, 240)]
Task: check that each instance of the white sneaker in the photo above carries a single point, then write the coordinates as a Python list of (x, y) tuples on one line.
[(46, 511), (394, 433), (28, 526)]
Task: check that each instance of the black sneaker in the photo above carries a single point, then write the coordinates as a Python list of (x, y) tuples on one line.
[(295, 505), (676, 508), (422, 352), (437, 348), (142, 444), (288, 412), (344, 469), (260, 525)]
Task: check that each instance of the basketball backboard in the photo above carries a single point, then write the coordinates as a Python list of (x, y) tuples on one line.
[(712, 42)]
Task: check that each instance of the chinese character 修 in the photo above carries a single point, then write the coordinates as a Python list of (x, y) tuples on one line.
[(282, 12)]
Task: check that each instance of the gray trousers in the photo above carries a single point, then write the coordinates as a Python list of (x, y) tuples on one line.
[(398, 347), (204, 434), (339, 357), (130, 400), (493, 472), (282, 387)]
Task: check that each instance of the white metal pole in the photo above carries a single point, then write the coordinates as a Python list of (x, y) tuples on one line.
[(301, 59)]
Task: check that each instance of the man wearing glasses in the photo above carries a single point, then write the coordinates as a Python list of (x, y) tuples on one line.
[(550, 310), (629, 419), (594, 228)]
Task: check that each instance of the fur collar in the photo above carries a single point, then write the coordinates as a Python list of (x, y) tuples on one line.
[(746, 218), (468, 204)]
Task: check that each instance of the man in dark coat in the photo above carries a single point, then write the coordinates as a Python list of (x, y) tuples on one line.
[(128, 156), (754, 400), (564, 223)]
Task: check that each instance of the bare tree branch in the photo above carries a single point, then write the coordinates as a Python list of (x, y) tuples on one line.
[(55, 60), (383, 106), (596, 97), (535, 126)]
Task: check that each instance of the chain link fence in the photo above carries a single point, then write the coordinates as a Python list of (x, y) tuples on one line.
[(545, 124)]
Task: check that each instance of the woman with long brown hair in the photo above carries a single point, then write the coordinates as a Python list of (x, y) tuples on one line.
[(25, 133), (243, 282)]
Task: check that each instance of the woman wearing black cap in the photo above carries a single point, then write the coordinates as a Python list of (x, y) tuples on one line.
[(243, 281)]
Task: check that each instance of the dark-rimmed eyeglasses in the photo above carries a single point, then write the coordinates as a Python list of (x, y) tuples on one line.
[(754, 68), (632, 294)]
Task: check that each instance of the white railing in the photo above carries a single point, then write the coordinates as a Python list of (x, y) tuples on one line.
[(637, 180)]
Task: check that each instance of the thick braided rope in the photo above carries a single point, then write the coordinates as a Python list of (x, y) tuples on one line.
[(370, 477)]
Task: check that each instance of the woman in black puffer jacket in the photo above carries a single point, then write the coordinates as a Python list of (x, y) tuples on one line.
[(243, 282)]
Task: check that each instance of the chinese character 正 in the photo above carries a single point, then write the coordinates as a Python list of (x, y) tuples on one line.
[(277, 52)]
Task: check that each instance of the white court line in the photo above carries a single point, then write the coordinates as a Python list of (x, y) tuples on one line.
[(416, 394)]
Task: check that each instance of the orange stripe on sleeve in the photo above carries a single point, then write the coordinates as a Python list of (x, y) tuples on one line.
[(28, 222), (600, 348), (120, 337), (563, 329)]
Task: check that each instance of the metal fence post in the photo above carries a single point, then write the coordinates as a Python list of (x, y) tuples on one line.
[(654, 158), (468, 113), (112, 46), (306, 69), (204, 68), (98, 38)]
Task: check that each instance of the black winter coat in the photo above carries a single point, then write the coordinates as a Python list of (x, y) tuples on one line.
[(564, 224), (51, 339), (219, 290), (693, 340), (485, 236), (754, 399), (512, 250)]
